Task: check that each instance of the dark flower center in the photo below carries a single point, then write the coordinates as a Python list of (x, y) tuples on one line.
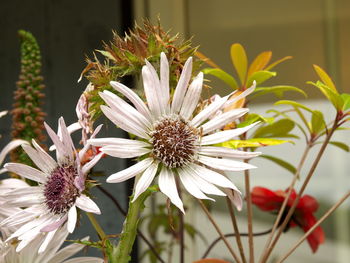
[(60, 192), (174, 142)]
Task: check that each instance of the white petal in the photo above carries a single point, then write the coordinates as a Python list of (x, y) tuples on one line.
[(151, 92), (50, 162), (167, 186), (117, 142), (3, 113), (224, 136), (66, 252), (202, 184), (213, 177), (221, 120), (66, 139), (225, 164), (133, 97), (124, 152), (145, 180), (164, 80), (192, 97), (242, 95), (181, 86), (85, 203), (72, 219), (84, 260), (208, 111), (26, 171), (47, 240), (130, 172), (118, 104), (27, 227), (9, 147), (87, 167), (74, 127), (235, 197), (61, 151), (124, 123), (226, 152), (191, 187), (36, 158)]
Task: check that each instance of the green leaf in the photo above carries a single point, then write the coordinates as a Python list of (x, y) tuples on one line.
[(260, 62), (341, 145), (317, 122), (294, 104), (280, 128), (253, 117), (253, 143), (325, 78), (289, 167), (239, 60), (277, 90), (192, 232), (274, 64), (346, 100), (330, 94), (260, 77), (219, 73)]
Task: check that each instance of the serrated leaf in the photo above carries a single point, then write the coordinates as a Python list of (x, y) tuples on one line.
[(274, 64), (332, 96), (253, 143), (239, 60), (224, 76), (317, 122), (277, 90), (346, 101), (252, 118), (259, 62), (260, 77), (280, 128), (286, 165), (325, 78)]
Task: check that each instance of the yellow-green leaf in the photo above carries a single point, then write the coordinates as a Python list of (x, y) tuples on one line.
[(341, 145), (294, 104), (286, 165), (260, 77), (325, 78), (277, 90), (274, 64), (330, 94), (346, 100), (252, 118), (280, 128), (317, 122), (239, 60), (260, 62), (219, 73), (253, 143)]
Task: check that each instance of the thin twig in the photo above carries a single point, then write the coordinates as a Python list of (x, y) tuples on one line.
[(285, 201), (301, 240), (232, 235), (181, 227), (296, 201), (235, 228), (122, 211), (219, 231), (249, 216), (96, 226)]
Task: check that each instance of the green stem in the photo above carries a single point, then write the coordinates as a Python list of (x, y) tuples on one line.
[(121, 253), (97, 226)]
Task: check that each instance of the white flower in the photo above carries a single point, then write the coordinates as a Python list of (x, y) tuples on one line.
[(52, 254), (170, 140), (55, 199)]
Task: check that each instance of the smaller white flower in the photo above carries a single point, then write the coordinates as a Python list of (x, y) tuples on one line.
[(59, 192)]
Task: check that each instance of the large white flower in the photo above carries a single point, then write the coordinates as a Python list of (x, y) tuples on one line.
[(52, 254), (169, 139), (59, 192)]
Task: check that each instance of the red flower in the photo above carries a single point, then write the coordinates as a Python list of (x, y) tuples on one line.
[(303, 217)]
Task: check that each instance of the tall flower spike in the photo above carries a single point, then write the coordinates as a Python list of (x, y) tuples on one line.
[(172, 141), (59, 193), (27, 115)]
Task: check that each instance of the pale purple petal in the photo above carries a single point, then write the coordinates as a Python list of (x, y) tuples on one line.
[(87, 167), (9, 147), (167, 186), (145, 180), (235, 197), (124, 152), (61, 151), (118, 142), (130, 172), (85, 203), (27, 172), (181, 86), (47, 240), (36, 158), (50, 162)]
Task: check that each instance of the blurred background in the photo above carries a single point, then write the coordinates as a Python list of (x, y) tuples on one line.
[(313, 32)]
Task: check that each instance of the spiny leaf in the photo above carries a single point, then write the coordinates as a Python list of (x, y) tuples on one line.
[(277, 90), (289, 167), (260, 62), (260, 77), (253, 143), (219, 73), (239, 60), (325, 78)]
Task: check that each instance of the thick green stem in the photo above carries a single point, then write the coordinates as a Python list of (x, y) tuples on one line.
[(121, 253)]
